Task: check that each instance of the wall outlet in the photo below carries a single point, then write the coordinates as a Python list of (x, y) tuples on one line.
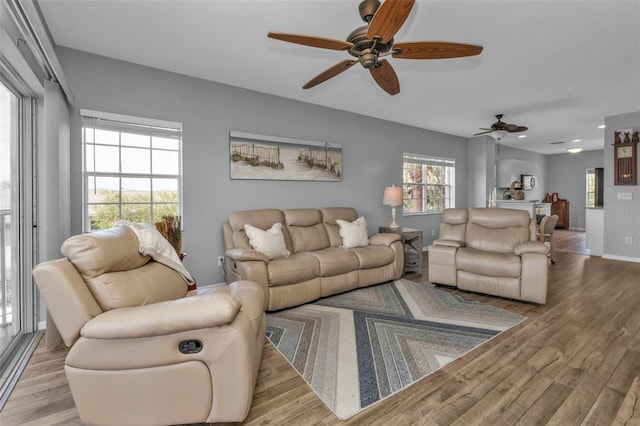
[(220, 260), (625, 196), (433, 232), (628, 240)]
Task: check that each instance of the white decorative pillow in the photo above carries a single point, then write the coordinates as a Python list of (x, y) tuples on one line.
[(269, 242), (353, 234)]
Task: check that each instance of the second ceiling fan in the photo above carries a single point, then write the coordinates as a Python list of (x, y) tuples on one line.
[(369, 44), (500, 129)]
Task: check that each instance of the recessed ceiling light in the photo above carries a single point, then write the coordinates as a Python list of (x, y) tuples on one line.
[(602, 126), (577, 140), (522, 136), (574, 150)]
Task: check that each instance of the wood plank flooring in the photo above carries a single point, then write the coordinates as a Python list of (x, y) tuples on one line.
[(570, 241), (572, 362)]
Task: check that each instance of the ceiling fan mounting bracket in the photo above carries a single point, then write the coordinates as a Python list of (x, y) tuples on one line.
[(362, 45), (368, 8)]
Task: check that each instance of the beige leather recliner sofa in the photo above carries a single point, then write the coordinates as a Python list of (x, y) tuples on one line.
[(144, 350), (492, 251), (317, 266)]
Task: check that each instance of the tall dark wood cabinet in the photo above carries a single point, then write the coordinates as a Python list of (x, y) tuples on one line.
[(561, 208)]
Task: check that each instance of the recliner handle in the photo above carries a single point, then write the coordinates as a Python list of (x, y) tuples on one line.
[(190, 346)]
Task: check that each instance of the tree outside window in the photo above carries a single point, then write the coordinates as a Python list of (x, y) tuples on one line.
[(428, 184)]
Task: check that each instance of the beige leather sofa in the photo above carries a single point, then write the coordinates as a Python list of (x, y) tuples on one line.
[(144, 350), (317, 265), (492, 251)]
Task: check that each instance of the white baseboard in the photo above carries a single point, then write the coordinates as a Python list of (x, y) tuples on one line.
[(623, 258)]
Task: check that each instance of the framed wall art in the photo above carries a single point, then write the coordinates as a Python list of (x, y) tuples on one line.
[(254, 156)]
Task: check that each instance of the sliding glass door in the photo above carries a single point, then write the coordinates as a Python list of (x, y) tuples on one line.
[(9, 184)]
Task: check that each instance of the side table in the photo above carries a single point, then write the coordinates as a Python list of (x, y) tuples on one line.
[(412, 241)]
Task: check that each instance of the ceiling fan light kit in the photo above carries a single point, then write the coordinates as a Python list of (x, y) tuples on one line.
[(499, 134), (372, 42)]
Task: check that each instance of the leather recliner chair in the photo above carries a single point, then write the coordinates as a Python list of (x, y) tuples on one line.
[(144, 350), (492, 251)]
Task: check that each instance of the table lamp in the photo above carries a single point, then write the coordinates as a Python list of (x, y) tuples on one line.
[(392, 197)]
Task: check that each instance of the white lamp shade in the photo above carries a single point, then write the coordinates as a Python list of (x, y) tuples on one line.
[(392, 196)]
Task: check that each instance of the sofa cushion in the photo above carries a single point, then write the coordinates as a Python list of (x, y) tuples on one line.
[(150, 283), (373, 256), (262, 218), (329, 217), (453, 224), (296, 268), (353, 234), (269, 242), (335, 261), (306, 230), (108, 250), (497, 230), (488, 263)]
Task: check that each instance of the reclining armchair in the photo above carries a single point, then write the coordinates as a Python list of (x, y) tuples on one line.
[(492, 251), (144, 350)]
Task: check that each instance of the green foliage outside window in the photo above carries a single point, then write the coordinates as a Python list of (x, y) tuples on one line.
[(134, 207)]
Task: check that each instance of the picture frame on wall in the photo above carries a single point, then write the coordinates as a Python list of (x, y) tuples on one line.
[(253, 156)]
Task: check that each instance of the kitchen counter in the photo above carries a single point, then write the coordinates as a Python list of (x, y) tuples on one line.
[(534, 207)]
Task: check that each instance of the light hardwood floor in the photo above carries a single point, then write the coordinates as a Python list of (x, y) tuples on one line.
[(571, 362)]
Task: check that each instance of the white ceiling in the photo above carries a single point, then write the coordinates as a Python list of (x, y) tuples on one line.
[(557, 67)]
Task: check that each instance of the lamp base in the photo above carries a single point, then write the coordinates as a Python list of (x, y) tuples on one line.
[(393, 218)]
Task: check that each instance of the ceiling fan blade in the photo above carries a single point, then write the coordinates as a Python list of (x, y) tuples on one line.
[(388, 19), (517, 129), (329, 73), (483, 133), (434, 50), (323, 43), (386, 77)]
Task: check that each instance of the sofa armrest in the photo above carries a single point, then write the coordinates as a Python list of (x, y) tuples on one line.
[(245, 254), (158, 319), (384, 239), (530, 247), (449, 243)]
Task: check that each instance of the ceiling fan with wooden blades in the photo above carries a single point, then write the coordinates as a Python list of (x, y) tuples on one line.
[(500, 129), (369, 44)]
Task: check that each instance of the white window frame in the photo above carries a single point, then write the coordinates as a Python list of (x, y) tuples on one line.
[(124, 123), (408, 187)]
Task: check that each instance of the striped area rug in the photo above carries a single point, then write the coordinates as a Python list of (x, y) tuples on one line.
[(356, 348)]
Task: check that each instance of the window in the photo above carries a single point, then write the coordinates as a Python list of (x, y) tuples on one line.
[(132, 170), (591, 187), (594, 187), (428, 183)]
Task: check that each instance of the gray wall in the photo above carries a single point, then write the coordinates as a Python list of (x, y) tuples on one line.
[(538, 168), (482, 161), (621, 217), (372, 149), (566, 175)]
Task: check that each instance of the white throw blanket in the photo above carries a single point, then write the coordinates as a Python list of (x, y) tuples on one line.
[(152, 243)]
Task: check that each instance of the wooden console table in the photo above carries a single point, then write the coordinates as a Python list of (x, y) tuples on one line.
[(412, 241)]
